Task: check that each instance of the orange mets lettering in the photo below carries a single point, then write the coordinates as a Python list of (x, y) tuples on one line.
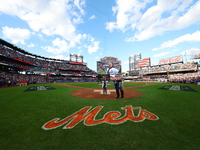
[(112, 117)]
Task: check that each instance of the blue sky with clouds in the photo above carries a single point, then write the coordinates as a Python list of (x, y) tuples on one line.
[(96, 28)]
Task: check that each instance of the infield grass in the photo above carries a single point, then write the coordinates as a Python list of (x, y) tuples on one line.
[(23, 114)]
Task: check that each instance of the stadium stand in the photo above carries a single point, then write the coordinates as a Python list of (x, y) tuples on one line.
[(179, 73), (18, 67)]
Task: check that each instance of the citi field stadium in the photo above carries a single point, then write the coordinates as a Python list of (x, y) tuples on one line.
[(49, 103)]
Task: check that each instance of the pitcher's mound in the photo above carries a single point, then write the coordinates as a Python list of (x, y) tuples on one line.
[(97, 93)]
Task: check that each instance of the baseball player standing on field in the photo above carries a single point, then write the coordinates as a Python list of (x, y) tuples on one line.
[(104, 86)]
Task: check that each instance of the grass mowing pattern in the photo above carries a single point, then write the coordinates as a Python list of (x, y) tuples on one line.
[(24, 113)]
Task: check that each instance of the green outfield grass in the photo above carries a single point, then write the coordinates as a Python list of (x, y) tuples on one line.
[(101, 72), (24, 113)]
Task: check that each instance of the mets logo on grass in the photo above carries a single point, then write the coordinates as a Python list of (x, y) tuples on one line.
[(89, 117)]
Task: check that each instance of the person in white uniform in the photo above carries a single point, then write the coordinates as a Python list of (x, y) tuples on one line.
[(111, 70), (104, 86)]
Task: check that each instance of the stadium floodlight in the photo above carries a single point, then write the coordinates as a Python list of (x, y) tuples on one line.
[(138, 54), (76, 58)]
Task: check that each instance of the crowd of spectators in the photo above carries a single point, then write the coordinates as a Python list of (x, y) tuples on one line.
[(43, 66), (79, 73), (71, 71), (185, 78), (174, 78), (11, 79), (36, 61), (13, 64), (169, 68), (37, 70)]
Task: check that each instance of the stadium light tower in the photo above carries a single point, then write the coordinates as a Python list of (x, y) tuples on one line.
[(133, 59), (76, 58), (131, 62)]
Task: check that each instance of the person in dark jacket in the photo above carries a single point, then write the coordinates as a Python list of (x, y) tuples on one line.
[(121, 87), (116, 84)]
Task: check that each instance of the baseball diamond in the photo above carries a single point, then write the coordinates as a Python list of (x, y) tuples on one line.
[(97, 93), (99, 74), (108, 91), (147, 114)]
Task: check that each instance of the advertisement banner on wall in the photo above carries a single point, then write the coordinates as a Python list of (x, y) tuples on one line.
[(175, 59)]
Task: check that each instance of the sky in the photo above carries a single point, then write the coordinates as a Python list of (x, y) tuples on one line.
[(159, 29)]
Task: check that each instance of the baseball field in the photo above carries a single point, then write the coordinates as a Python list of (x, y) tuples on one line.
[(77, 116)]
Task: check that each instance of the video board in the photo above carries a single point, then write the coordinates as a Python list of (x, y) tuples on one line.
[(109, 65)]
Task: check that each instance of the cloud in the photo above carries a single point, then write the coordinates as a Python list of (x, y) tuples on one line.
[(60, 57), (195, 37), (91, 44), (40, 36), (92, 17), (31, 45), (161, 54), (59, 46), (55, 17), (17, 35), (127, 14), (160, 17), (165, 16), (191, 52), (93, 47)]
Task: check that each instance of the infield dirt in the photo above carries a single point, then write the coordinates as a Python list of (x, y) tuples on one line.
[(89, 93)]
